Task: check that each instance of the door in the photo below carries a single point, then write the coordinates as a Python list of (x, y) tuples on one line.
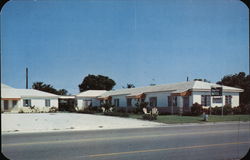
[(186, 104), (6, 105), (14, 103)]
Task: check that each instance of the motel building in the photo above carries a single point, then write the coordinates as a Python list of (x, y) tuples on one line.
[(174, 98), (12, 98), (171, 98), (88, 98)]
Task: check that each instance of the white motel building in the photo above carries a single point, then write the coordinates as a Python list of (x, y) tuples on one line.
[(15, 98), (174, 97), (167, 97)]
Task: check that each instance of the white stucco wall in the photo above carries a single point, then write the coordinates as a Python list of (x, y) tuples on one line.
[(162, 98), (122, 100), (40, 102), (81, 104), (235, 98)]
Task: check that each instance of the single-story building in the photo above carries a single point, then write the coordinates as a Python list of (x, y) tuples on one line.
[(66, 103), (88, 98), (177, 97), (16, 98)]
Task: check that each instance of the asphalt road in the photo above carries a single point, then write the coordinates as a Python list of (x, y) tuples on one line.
[(220, 141)]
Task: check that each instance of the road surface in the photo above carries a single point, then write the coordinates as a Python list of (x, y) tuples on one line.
[(214, 141)]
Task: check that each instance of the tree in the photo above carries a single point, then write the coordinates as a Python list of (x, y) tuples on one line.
[(48, 88), (203, 80), (62, 92), (129, 85), (98, 82), (239, 80)]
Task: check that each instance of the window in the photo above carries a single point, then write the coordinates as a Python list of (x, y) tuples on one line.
[(172, 101), (27, 102), (217, 100), (47, 102), (205, 100), (153, 101), (116, 102), (129, 102), (228, 100)]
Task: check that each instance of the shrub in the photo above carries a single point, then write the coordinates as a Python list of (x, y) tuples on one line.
[(216, 110), (107, 106), (21, 111), (53, 109), (71, 108), (242, 109), (140, 106), (227, 109), (196, 109), (118, 114), (149, 117), (95, 109)]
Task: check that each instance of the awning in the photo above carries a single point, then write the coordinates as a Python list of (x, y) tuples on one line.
[(13, 99), (137, 95), (181, 93), (105, 98)]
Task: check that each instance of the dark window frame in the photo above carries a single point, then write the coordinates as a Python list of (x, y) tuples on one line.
[(129, 102), (47, 103), (228, 100), (117, 102), (27, 102), (206, 100), (153, 101)]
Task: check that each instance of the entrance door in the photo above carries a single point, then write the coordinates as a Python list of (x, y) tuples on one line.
[(186, 101), (6, 105), (14, 103), (186, 104)]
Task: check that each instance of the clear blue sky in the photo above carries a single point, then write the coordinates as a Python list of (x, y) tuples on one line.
[(139, 42)]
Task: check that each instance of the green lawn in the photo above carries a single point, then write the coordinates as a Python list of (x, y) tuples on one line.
[(171, 119)]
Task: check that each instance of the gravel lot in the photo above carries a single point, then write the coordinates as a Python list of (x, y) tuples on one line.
[(44, 122)]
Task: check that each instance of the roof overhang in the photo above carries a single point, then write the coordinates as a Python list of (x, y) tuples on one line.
[(42, 97), (224, 90), (66, 97)]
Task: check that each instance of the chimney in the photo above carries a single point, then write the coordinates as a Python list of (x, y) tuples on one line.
[(27, 86)]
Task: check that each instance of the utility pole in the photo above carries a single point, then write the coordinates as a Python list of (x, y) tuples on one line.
[(27, 86)]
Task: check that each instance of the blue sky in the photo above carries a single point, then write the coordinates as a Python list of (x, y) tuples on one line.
[(139, 42)]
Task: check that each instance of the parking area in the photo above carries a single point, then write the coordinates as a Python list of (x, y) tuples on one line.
[(45, 122)]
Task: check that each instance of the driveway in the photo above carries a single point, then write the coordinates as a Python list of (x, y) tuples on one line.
[(44, 122)]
